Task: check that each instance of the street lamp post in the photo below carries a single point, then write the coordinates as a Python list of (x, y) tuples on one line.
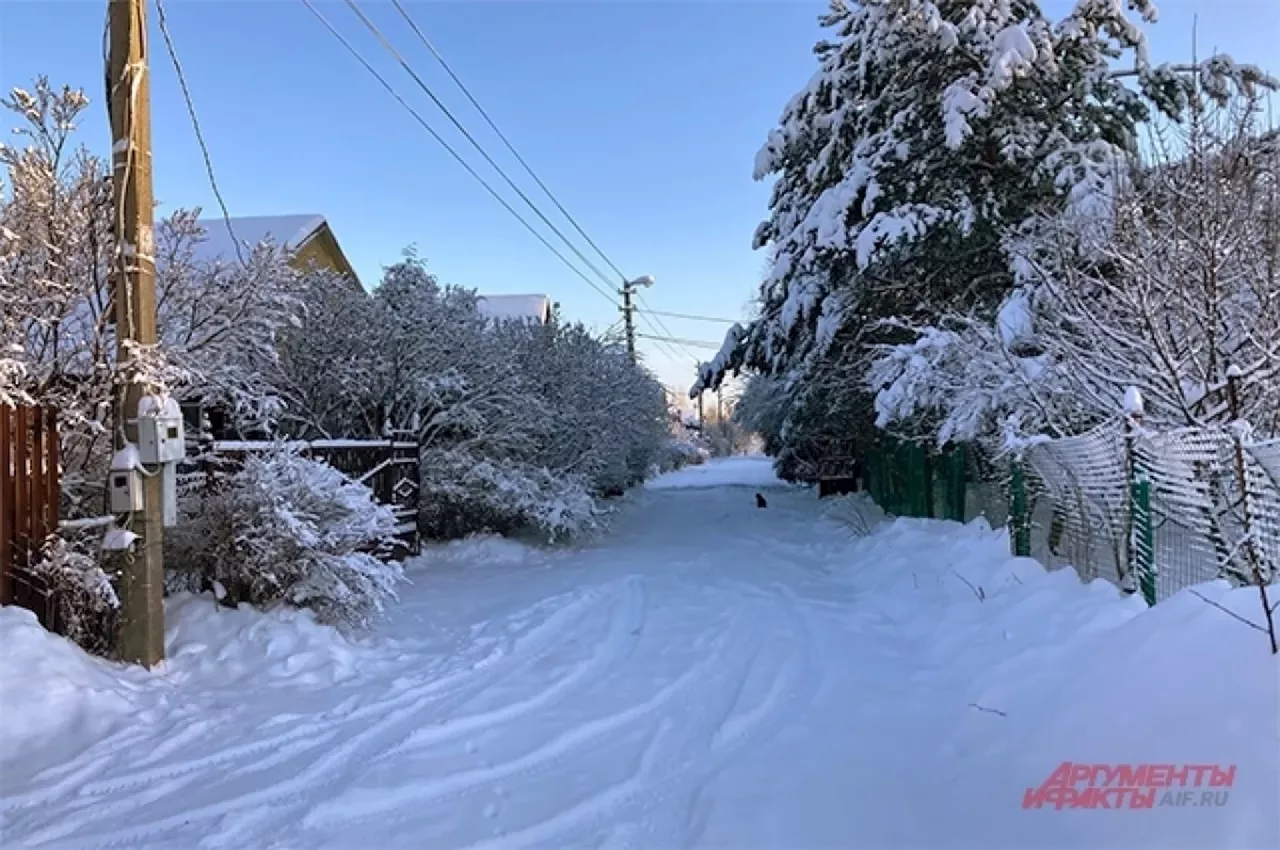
[(628, 310)]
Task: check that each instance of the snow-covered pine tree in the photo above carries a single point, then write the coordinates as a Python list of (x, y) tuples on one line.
[(931, 128)]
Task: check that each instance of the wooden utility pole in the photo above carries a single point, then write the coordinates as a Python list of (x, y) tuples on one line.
[(629, 310), (628, 317), (134, 285)]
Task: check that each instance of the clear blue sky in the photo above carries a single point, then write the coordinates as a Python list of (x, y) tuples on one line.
[(643, 117)]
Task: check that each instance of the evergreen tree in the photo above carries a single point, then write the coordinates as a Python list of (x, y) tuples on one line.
[(931, 131)]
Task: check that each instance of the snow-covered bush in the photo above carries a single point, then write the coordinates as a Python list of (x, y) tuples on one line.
[(85, 605), (465, 494), (677, 454), (1187, 292), (217, 324), (287, 529), (522, 424)]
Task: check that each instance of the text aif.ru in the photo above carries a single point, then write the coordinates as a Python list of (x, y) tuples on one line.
[(1129, 786)]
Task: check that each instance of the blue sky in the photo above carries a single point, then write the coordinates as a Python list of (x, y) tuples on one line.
[(643, 118)]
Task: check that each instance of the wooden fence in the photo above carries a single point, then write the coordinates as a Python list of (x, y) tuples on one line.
[(29, 496)]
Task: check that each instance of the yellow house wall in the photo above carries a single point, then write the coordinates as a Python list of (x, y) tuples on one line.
[(321, 251)]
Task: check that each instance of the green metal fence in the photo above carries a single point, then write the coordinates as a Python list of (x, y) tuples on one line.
[(908, 479)]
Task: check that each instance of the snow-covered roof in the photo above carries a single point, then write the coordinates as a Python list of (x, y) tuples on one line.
[(288, 231), (503, 307)]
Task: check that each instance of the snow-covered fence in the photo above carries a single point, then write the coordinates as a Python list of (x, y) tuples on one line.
[(1191, 504), (387, 467)]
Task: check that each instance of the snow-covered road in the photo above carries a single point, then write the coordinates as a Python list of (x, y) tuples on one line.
[(708, 675)]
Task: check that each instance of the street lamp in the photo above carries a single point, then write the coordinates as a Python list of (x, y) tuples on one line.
[(628, 310)]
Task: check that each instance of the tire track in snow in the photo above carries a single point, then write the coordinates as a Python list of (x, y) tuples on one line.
[(615, 649), (384, 803), (662, 805), (667, 756), (624, 623), (792, 687), (390, 717)]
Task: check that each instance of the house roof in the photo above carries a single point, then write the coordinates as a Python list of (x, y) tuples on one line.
[(287, 231), (503, 307)]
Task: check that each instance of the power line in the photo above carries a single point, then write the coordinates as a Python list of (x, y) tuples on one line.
[(390, 48), (510, 147), (661, 326), (701, 343), (691, 317), (373, 28), (195, 124), (493, 126), (418, 117)]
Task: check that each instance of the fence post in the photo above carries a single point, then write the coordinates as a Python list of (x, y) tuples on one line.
[(1019, 515), (1141, 548), (8, 515), (955, 484), (1141, 531), (926, 479)]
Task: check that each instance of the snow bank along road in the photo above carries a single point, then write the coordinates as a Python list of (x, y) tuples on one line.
[(708, 675)]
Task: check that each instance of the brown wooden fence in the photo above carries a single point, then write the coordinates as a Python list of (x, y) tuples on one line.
[(29, 492)]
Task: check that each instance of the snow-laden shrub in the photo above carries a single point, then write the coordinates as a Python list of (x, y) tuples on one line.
[(284, 528), (677, 454), (85, 607), (463, 494)]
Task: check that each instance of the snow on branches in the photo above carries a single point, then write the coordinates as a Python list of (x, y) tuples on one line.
[(285, 528), (57, 338), (523, 425), (1182, 297), (930, 130)]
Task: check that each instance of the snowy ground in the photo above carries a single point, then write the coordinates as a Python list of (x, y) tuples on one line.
[(709, 675)]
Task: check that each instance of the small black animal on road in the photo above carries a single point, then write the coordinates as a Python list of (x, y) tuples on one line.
[(760, 502)]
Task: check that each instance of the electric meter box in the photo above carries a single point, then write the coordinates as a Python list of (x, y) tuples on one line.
[(126, 491), (161, 435)]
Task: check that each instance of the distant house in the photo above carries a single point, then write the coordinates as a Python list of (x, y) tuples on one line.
[(308, 238), (535, 308), (310, 243)]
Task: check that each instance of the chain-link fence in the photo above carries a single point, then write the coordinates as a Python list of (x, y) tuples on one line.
[(1152, 512)]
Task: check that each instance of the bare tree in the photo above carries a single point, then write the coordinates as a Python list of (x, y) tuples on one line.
[(1187, 290)]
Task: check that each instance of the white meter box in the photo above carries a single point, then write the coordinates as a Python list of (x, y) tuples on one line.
[(161, 435), (126, 491)]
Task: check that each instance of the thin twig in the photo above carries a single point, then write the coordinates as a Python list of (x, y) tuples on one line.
[(989, 710), (1226, 611), (977, 591)]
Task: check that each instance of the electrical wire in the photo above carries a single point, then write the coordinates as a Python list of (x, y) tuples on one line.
[(390, 48), (195, 125), (661, 326), (690, 317), (510, 147), (449, 148), (701, 343)]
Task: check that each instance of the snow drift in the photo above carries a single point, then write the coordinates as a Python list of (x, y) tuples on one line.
[(708, 675)]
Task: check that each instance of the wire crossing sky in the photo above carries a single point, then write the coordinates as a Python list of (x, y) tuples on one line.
[(642, 118)]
